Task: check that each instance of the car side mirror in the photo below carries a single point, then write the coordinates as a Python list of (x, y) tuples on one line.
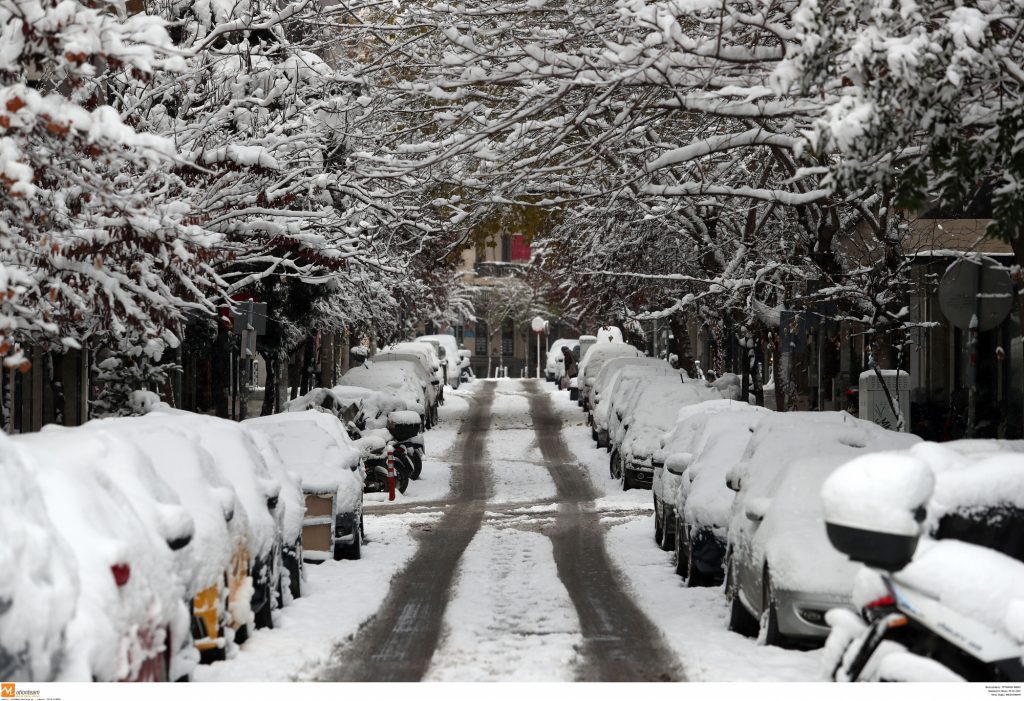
[(677, 463), (755, 508), (734, 478)]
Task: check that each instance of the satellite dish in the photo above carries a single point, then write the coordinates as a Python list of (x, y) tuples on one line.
[(976, 286)]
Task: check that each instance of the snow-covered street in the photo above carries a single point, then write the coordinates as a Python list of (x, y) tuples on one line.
[(531, 564)]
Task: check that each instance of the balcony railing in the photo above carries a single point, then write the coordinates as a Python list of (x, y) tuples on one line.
[(496, 268)]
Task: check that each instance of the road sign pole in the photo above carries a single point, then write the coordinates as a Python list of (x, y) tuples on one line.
[(972, 352)]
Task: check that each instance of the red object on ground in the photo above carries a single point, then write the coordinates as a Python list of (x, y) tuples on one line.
[(391, 473)]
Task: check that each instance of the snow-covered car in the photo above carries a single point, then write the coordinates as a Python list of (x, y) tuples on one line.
[(395, 378), (219, 581), (242, 463), (39, 587), (678, 446), (428, 357), (290, 511), (782, 573), (450, 356), (636, 456), (698, 501), (554, 363), (315, 446), (604, 386), (953, 594), (596, 357), (366, 408), (131, 622), (413, 363), (621, 389)]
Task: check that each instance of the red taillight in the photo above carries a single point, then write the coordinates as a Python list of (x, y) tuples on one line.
[(886, 600), (399, 450), (121, 574)]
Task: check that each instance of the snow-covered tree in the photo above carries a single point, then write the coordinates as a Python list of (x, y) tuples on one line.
[(92, 236)]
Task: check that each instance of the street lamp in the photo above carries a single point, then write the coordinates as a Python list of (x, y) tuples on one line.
[(538, 325)]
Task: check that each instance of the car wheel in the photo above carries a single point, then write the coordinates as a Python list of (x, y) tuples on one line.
[(417, 465), (659, 529), (295, 576), (694, 577), (668, 534), (264, 617), (681, 555), (770, 617), (593, 433), (740, 620), (349, 551), (627, 483), (242, 634), (611, 466)]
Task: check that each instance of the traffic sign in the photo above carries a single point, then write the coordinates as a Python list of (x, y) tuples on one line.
[(976, 286)]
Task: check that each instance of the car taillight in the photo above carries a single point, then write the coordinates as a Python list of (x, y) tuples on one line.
[(121, 573), (399, 450), (882, 602)]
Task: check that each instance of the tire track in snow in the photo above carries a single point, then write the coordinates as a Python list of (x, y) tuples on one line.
[(398, 644), (620, 642)]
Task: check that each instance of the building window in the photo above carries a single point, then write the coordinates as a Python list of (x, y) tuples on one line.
[(508, 336), (481, 339), (506, 248)]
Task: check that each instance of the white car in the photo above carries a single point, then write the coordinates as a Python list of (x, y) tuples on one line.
[(605, 384), (698, 501), (452, 358), (401, 379), (678, 446), (219, 580), (39, 588), (242, 463), (639, 453), (782, 574), (315, 447), (427, 354), (291, 510), (131, 618), (596, 357)]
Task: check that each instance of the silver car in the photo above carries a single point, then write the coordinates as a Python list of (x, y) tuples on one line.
[(782, 573)]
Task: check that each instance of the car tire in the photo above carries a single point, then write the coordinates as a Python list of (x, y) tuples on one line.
[(694, 577), (593, 433), (242, 634), (770, 618), (295, 577), (682, 560), (350, 551), (659, 529), (265, 616), (668, 535), (627, 483), (740, 620)]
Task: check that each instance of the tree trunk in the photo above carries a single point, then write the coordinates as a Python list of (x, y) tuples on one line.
[(681, 344), (327, 360), (269, 386), (281, 395), (221, 371)]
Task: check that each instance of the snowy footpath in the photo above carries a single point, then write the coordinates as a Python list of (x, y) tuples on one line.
[(551, 572)]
